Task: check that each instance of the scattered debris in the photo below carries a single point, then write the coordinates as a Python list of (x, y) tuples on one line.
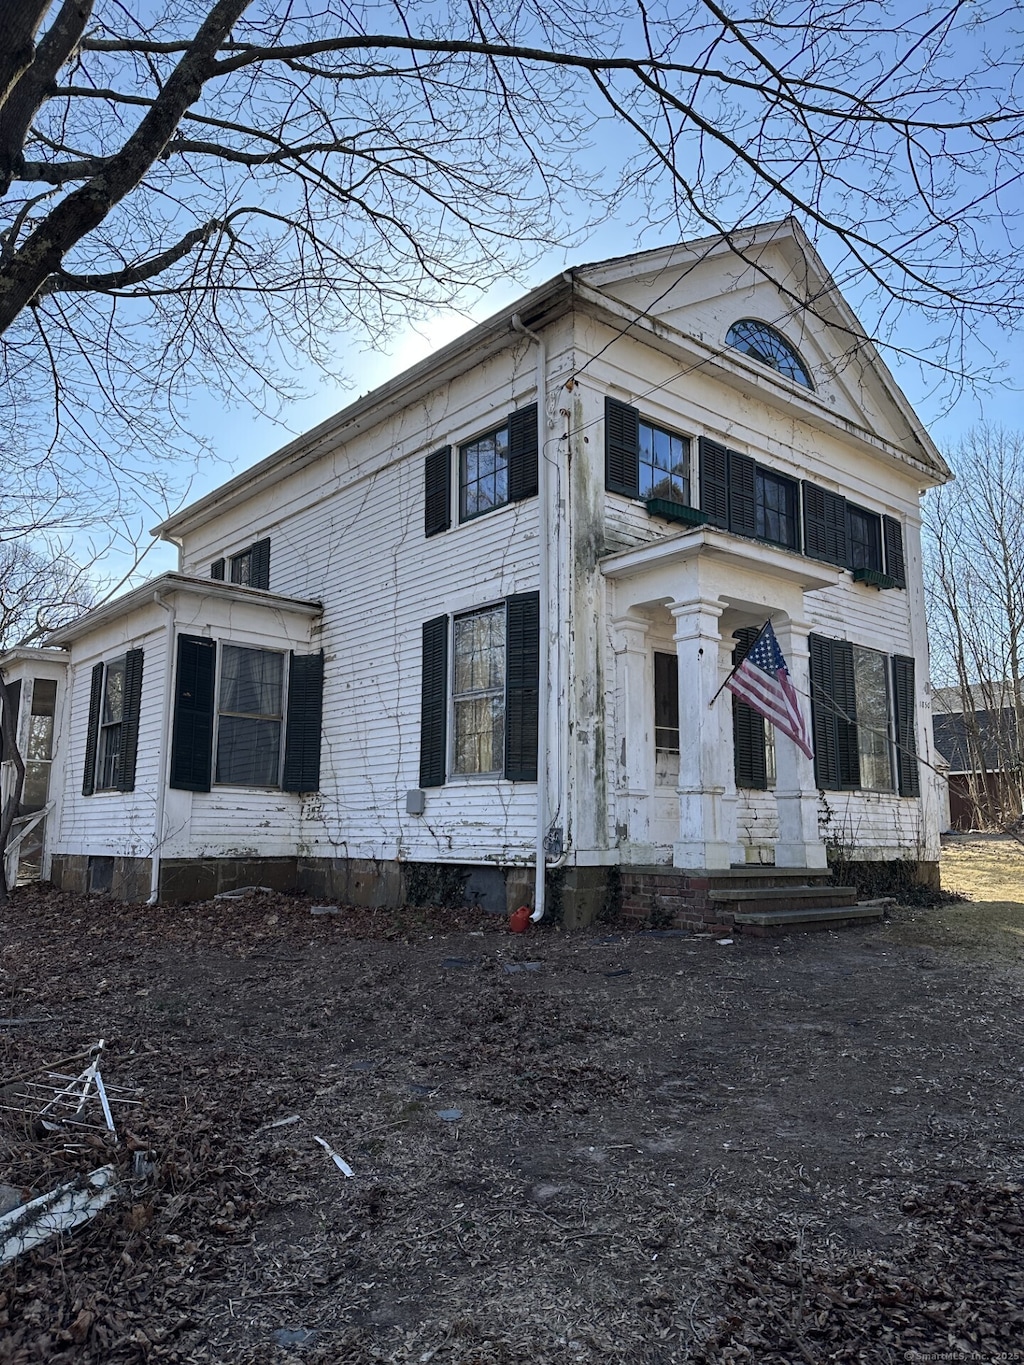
[(59, 1211), (293, 1336), (450, 1115), (519, 920), (723, 941), (280, 1123), (325, 910), (339, 1161), (458, 962), (512, 967), (242, 892), (69, 1095), (619, 971)]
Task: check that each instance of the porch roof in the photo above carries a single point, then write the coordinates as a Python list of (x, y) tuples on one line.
[(176, 584), (726, 551)]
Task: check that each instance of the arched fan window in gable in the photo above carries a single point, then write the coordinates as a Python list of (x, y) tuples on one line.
[(770, 347)]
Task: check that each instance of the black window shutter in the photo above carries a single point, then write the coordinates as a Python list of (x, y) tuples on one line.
[(437, 491), (217, 569), (92, 735), (192, 735), (742, 494), (522, 685), (844, 697), (130, 714), (749, 760), (824, 525), (823, 730), (906, 729), (259, 565), (302, 732), (621, 448), (895, 562), (714, 482), (434, 703), (522, 453)]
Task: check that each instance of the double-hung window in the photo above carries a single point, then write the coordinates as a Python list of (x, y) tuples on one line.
[(775, 508), (663, 464), (478, 692), (487, 702), (112, 736), (863, 718), (244, 719), (250, 717), (747, 498), (646, 461), (865, 538), (250, 568), (483, 474), (495, 469), (111, 717), (868, 543)]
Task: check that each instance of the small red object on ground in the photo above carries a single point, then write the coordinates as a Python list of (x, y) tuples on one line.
[(519, 919)]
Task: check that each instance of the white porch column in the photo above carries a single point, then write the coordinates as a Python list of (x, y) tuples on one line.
[(634, 719), (796, 792), (706, 819)]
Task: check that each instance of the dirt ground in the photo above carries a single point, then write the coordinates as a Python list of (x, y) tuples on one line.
[(601, 1146)]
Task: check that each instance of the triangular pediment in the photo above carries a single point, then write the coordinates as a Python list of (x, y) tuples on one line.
[(772, 274)]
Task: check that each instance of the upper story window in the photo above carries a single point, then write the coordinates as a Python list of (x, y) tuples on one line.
[(250, 568), (775, 508), (740, 495), (664, 464), (646, 461), (483, 474), (865, 531), (764, 343)]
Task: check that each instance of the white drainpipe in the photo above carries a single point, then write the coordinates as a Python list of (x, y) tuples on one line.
[(164, 751), (544, 593)]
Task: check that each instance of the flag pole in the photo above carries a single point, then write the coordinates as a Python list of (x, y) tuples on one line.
[(735, 666)]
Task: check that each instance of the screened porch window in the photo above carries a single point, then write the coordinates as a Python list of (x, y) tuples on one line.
[(250, 717)]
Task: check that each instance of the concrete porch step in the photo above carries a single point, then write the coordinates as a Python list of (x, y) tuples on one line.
[(765, 923), (783, 899)]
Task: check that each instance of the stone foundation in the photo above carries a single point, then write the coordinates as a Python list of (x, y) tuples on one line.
[(656, 897), (123, 879)]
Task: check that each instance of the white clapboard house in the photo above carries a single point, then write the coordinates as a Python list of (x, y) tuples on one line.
[(480, 617)]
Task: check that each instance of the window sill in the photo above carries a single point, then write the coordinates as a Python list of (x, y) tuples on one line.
[(874, 578)]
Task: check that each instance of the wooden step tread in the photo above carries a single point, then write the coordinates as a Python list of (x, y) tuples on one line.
[(767, 893), (811, 915)]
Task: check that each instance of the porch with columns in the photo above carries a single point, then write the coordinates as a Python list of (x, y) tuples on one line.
[(692, 592)]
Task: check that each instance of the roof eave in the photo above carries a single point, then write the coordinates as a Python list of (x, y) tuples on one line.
[(536, 309)]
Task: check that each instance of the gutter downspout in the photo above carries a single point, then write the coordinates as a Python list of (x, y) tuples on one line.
[(162, 759), (544, 612)]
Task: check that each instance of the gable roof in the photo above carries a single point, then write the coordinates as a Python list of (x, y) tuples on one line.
[(592, 288)]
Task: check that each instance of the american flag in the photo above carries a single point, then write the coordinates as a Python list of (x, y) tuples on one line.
[(762, 681)]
